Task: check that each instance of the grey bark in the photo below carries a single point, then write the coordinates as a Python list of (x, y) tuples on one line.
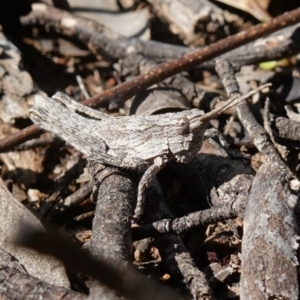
[(286, 128), (111, 237), (269, 262), (197, 22)]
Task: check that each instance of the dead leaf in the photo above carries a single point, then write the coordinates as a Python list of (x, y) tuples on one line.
[(257, 8)]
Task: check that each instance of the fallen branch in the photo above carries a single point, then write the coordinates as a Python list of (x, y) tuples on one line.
[(114, 195), (229, 210)]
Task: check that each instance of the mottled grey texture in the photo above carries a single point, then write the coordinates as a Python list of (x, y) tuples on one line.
[(130, 142), (269, 248), (135, 142)]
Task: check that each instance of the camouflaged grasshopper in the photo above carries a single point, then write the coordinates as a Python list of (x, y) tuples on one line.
[(144, 143)]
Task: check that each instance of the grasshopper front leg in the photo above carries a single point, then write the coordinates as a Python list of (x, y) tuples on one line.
[(158, 164)]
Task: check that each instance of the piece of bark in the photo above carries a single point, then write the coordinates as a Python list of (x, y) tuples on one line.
[(43, 267), (286, 128), (115, 198), (129, 22), (18, 285), (158, 100), (269, 262), (197, 22)]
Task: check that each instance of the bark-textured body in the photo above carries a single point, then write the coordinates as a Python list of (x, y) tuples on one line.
[(129, 142), (134, 142)]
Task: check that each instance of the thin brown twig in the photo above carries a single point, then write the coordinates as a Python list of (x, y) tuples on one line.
[(123, 91), (20, 137), (128, 89)]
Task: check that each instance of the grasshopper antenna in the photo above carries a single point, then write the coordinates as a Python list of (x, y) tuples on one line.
[(230, 103)]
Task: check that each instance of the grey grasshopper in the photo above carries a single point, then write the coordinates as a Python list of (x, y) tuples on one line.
[(143, 143)]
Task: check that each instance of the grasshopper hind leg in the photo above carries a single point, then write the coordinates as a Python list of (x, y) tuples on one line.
[(158, 164), (79, 108)]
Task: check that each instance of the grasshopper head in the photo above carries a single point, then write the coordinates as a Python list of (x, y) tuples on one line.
[(190, 127), (185, 135)]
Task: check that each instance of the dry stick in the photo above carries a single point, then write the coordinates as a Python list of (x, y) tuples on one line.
[(79, 195), (98, 38), (267, 122), (39, 142), (180, 264), (20, 137), (176, 259), (84, 217), (229, 210), (20, 285), (111, 239), (257, 133), (128, 89)]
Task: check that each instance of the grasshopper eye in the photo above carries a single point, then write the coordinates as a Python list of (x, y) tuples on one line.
[(183, 126)]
